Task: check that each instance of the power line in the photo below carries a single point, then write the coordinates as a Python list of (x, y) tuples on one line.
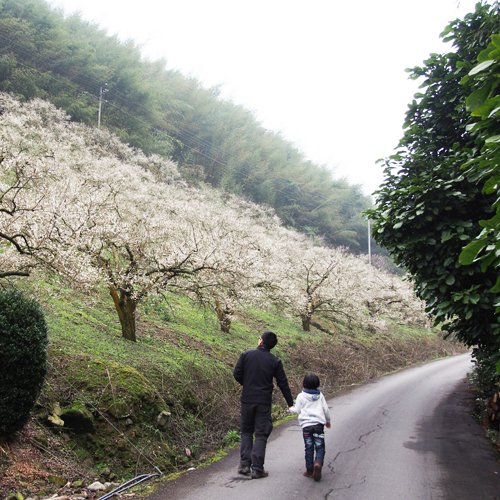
[(197, 145), (82, 81)]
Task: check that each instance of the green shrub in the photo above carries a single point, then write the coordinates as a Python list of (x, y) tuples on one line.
[(23, 358)]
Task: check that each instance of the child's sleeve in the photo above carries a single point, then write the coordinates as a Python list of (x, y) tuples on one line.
[(326, 410), (297, 406)]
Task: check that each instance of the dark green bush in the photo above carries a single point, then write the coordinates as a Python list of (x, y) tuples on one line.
[(23, 358)]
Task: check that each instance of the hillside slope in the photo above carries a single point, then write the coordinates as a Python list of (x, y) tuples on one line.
[(169, 400)]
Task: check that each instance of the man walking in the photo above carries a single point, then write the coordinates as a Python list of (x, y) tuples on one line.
[(255, 371)]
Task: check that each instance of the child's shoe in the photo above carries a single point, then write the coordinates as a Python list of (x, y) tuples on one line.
[(317, 470)]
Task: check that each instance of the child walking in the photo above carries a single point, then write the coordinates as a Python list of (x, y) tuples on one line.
[(314, 415)]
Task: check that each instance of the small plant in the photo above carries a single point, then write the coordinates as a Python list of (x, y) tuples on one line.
[(23, 358), (232, 437), (160, 306)]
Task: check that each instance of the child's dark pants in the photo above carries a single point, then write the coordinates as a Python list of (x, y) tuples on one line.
[(314, 440)]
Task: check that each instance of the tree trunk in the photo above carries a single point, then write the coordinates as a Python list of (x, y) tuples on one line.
[(125, 307), (320, 327), (306, 322), (223, 315)]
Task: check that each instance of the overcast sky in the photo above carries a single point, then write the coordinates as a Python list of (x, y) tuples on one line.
[(328, 74)]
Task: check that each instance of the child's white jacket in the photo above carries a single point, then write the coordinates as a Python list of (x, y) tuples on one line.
[(312, 409)]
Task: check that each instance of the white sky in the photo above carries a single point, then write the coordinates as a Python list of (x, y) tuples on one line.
[(328, 74)]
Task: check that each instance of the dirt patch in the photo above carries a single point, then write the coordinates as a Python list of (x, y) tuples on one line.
[(36, 462)]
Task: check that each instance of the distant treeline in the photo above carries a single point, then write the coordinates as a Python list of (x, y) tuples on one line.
[(73, 63)]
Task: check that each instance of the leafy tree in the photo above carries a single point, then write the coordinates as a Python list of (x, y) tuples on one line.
[(484, 103), (428, 208)]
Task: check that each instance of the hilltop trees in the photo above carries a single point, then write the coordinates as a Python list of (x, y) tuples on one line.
[(429, 206), (160, 111)]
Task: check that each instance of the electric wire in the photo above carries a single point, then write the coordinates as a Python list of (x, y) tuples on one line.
[(188, 139), (196, 144), (82, 80)]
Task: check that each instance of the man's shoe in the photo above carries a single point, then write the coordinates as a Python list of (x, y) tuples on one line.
[(244, 469), (317, 470), (258, 474), (308, 473)]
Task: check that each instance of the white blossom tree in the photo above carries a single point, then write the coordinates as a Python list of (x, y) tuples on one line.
[(64, 195), (26, 180), (391, 297), (79, 202), (324, 281), (244, 248)]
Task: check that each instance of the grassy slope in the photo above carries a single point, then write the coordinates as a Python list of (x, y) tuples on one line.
[(181, 365)]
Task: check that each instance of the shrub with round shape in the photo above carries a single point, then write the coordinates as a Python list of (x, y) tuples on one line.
[(23, 358)]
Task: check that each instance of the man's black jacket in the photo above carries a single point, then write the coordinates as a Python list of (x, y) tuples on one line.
[(255, 371)]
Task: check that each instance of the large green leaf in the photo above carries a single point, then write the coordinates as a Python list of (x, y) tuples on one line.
[(450, 280), (478, 97), (493, 139), (481, 66), (470, 252)]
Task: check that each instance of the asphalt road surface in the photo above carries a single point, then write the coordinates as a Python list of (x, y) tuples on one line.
[(408, 435)]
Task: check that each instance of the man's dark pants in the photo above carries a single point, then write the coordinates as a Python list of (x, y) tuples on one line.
[(255, 419)]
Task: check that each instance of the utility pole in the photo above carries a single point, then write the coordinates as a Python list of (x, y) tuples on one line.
[(369, 243), (102, 91)]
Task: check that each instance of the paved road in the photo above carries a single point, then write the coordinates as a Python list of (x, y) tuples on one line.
[(406, 436)]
